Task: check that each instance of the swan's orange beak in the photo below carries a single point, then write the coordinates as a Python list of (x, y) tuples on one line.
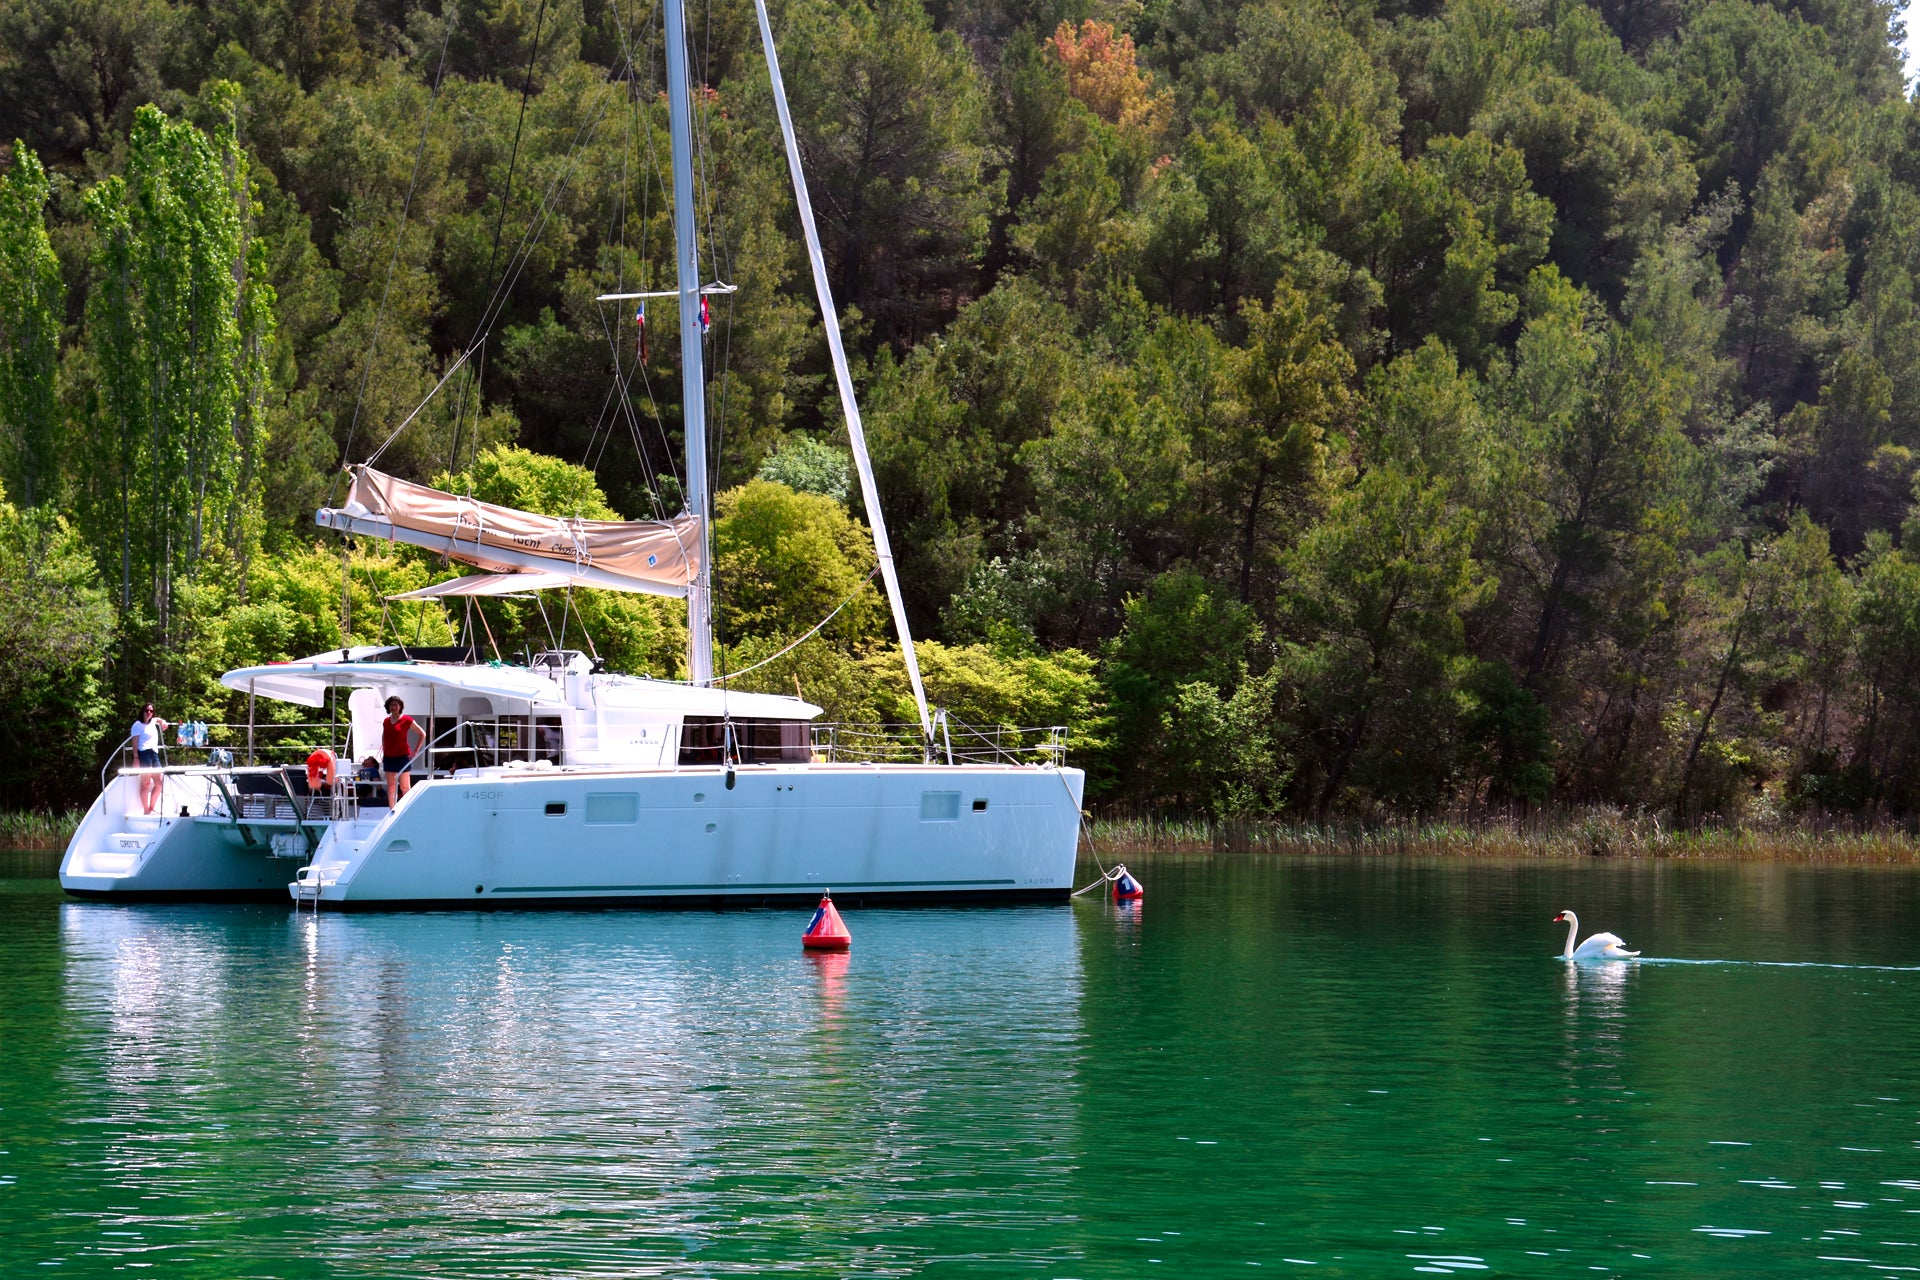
[(1559, 918)]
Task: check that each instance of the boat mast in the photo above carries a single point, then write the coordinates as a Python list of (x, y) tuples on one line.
[(693, 381)]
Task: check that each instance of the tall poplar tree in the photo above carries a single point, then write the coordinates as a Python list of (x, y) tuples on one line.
[(31, 302), (178, 326)]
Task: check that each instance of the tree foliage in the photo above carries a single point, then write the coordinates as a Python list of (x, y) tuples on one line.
[(1326, 410), (32, 306), (177, 331)]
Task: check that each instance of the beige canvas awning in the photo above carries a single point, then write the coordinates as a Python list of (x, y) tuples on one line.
[(655, 556)]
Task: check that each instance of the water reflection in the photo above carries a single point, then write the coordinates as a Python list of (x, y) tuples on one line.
[(599, 1088), (1598, 991), (1372, 1067)]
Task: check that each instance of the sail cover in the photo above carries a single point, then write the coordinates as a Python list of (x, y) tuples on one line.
[(655, 556)]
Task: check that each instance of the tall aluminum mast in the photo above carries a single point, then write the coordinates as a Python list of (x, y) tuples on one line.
[(693, 389)]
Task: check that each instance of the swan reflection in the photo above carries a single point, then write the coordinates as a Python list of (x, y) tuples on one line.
[(1597, 990)]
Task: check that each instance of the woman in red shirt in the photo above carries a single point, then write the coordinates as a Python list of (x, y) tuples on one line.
[(400, 740)]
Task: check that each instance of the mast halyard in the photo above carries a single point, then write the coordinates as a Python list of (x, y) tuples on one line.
[(693, 390)]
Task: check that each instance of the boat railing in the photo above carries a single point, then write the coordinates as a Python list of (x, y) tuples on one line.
[(226, 745), (953, 743), (114, 757), (252, 771), (283, 800)]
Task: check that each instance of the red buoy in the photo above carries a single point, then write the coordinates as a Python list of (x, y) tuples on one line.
[(826, 931), (1125, 887)]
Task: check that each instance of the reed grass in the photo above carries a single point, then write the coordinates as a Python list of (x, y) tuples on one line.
[(1588, 833), (1579, 834), (37, 828)]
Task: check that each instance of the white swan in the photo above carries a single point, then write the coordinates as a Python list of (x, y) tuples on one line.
[(1601, 946)]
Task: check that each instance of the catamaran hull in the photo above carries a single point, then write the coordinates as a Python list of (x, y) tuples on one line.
[(702, 837), (117, 852), (691, 837)]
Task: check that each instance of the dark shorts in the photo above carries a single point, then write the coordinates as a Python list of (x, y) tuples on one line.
[(149, 759), (394, 764)]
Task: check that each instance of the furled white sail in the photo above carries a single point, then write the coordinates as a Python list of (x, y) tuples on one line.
[(659, 557)]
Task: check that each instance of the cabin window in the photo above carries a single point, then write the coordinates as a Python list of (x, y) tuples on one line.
[(703, 739), (979, 806), (612, 808), (494, 741), (939, 806), (546, 738), (557, 809)]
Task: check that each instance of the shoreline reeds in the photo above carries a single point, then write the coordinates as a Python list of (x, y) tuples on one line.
[(1592, 833), (37, 829), (1589, 833)]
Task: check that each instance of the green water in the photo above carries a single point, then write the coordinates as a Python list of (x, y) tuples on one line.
[(1371, 1068)]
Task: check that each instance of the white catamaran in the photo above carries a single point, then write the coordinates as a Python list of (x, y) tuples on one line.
[(555, 781)]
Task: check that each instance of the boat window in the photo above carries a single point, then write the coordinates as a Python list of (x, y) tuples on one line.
[(939, 806), (557, 809), (546, 738), (979, 806), (612, 808), (702, 739), (505, 738)]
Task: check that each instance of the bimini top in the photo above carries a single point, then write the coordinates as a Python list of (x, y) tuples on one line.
[(305, 681)]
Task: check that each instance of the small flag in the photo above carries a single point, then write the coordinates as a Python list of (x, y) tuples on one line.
[(640, 323), (706, 317)]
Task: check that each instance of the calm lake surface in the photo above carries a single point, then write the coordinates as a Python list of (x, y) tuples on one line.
[(1334, 1068)]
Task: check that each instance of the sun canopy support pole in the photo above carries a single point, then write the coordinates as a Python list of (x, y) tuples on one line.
[(830, 321)]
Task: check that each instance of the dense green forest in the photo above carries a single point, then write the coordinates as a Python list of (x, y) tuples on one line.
[(1328, 408)]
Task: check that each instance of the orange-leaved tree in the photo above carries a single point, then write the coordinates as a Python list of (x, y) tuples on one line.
[(1102, 74)]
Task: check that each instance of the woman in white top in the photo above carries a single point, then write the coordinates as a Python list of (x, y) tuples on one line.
[(146, 746)]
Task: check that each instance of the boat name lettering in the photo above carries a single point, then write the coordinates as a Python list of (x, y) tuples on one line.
[(481, 795)]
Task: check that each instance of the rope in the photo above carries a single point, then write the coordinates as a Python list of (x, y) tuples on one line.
[(380, 312), (471, 384), (417, 408), (1119, 868), (722, 679), (1106, 877), (513, 156), (522, 254)]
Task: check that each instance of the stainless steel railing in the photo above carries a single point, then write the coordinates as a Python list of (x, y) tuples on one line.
[(953, 743)]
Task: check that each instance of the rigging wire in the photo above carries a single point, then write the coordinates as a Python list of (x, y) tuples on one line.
[(406, 206), (654, 41), (622, 384), (814, 631), (522, 255), (499, 225), (395, 434), (595, 449)]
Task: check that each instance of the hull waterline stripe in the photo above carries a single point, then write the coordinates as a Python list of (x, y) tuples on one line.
[(849, 887)]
